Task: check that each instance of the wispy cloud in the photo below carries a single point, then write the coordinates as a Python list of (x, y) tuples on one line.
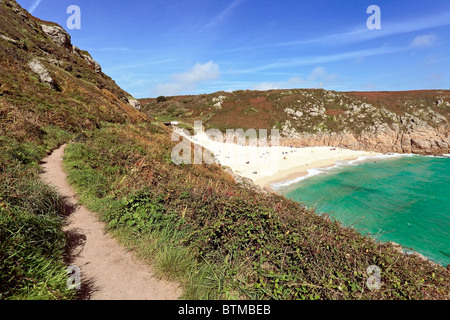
[(318, 77), (423, 41), (388, 29), (361, 34), (223, 15), (189, 80), (138, 65), (315, 60), (34, 6)]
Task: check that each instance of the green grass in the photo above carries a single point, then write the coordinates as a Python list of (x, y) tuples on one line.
[(32, 244), (35, 120), (221, 241), (31, 241), (138, 220)]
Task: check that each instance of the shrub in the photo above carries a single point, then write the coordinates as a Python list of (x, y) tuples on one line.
[(161, 99)]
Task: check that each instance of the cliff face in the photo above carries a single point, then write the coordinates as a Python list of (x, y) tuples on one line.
[(418, 129), (401, 122)]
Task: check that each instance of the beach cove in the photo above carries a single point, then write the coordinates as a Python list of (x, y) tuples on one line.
[(401, 209), (269, 165)]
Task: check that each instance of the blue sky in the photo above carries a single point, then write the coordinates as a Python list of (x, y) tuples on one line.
[(171, 47)]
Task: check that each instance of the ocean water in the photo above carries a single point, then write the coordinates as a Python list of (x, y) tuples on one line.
[(402, 199)]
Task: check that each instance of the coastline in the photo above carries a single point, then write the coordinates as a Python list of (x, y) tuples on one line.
[(291, 176), (276, 169), (286, 178), (267, 165)]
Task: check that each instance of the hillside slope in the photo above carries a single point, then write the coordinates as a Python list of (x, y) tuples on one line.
[(45, 80), (403, 122), (50, 92)]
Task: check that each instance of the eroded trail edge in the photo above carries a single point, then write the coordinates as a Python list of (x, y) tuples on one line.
[(108, 270)]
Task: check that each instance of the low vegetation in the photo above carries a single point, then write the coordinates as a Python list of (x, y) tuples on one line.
[(223, 241), (320, 110), (34, 120), (32, 244)]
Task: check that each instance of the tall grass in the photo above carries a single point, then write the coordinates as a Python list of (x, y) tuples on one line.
[(31, 241)]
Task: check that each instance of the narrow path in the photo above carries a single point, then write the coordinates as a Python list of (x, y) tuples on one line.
[(108, 271)]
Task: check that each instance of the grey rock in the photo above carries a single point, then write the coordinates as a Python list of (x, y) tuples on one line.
[(55, 62), (7, 38), (37, 67), (58, 36), (96, 66), (90, 61), (135, 104)]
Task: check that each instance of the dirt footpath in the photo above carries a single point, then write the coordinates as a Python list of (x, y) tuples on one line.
[(108, 271)]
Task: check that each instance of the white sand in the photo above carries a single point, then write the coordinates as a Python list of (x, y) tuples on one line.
[(268, 165)]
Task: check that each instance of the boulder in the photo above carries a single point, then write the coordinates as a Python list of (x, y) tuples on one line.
[(135, 104), (44, 76), (58, 36)]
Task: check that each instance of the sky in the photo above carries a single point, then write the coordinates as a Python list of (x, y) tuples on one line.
[(180, 47)]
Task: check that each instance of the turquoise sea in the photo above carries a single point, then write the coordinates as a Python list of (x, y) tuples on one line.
[(405, 199)]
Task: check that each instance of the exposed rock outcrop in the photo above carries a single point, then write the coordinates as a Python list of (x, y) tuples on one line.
[(7, 39), (86, 56), (434, 142), (218, 101), (44, 76), (58, 36), (61, 38), (365, 127), (135, 104)]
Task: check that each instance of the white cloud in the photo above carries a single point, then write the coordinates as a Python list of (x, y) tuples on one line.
[(317, 78), (264, 86), (423, 41), (320, 74), (199, 73), (189, 80)]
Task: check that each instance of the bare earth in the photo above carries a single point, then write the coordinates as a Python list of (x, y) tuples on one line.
[(108, 271)]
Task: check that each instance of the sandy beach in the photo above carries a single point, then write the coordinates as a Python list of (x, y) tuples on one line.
[(268, 165)]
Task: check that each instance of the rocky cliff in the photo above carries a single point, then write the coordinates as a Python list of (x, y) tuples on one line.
[(362, 126), (401, 122)]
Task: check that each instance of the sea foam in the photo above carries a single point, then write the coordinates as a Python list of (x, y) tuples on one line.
[(342, 163)]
